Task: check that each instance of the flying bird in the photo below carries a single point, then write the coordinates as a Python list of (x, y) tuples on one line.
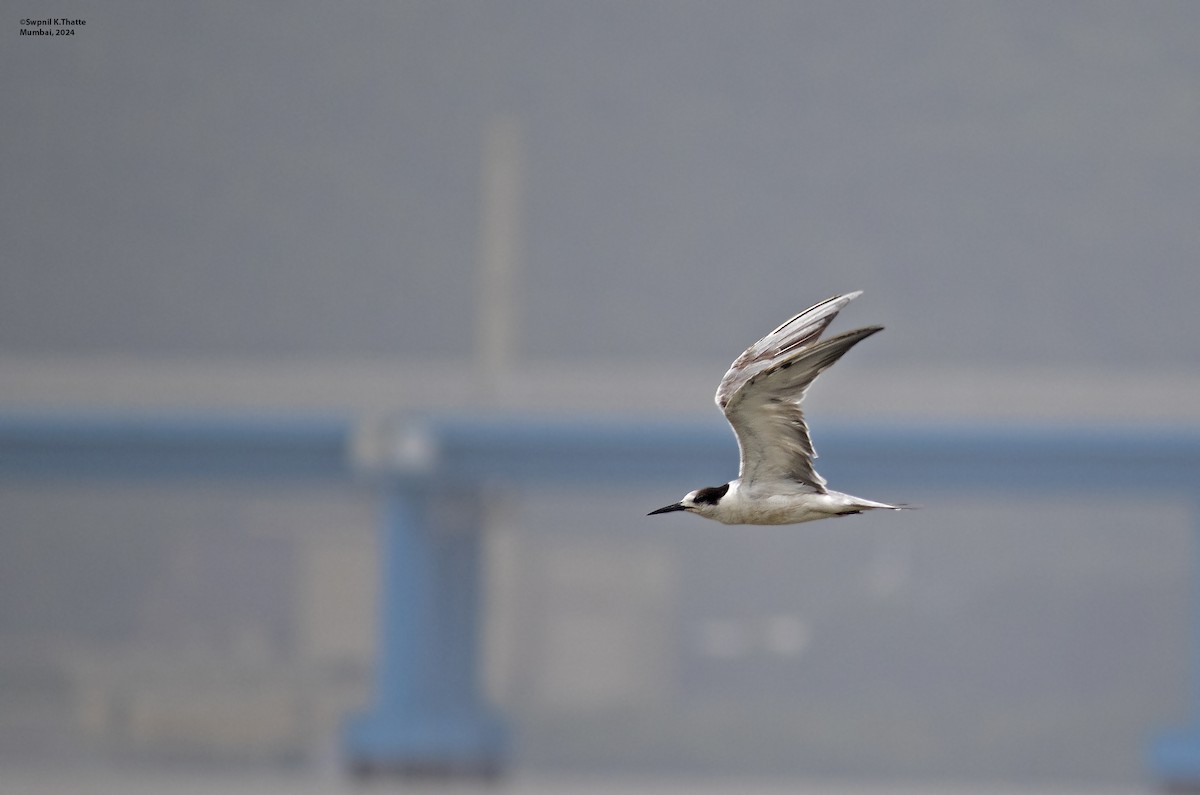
[(760, 396)]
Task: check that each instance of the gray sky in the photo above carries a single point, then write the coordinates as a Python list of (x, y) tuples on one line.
[(1012, 183)]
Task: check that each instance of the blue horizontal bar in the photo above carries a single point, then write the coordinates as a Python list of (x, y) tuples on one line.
[(175, 445), (613, 449), (970, 457)]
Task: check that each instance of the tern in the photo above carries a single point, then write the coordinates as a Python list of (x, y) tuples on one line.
[(760, 396)]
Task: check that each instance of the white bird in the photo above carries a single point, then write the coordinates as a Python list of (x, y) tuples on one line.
[(760, 396)]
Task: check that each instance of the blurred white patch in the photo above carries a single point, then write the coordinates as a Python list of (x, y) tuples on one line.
[(786, 635)]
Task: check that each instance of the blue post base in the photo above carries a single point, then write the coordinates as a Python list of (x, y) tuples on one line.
[(382, 744), (1175, 759)]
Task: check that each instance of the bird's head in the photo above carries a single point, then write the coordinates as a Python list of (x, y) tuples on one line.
[(701, 501)]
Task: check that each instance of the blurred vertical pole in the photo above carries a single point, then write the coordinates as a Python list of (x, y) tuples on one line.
[(496, 335), (499, 253), (427, 715), (407, 653), (1175, 755)]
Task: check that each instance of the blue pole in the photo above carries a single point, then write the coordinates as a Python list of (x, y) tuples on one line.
[(405, 626), (429, 715)]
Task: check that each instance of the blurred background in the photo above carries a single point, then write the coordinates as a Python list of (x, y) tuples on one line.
[(585, 209)]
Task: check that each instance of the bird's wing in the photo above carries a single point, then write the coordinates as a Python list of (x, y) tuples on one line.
[(762, 392), (803, 329)]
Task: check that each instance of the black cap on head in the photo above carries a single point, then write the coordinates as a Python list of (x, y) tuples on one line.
[(712, 495)]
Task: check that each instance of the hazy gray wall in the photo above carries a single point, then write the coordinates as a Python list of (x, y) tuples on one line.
[(1011, 182)]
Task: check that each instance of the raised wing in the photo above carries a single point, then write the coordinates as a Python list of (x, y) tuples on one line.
[(801, 330), (762, 392)]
